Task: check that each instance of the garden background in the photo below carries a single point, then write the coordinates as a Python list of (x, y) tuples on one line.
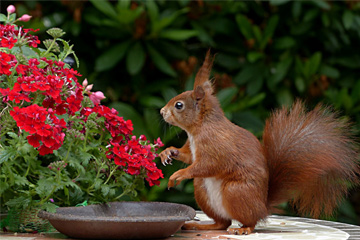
[(268, 53)]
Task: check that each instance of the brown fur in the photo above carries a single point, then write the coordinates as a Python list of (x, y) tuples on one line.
[(306, 158)]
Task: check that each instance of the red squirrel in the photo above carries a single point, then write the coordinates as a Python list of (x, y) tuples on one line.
[(307, 158)]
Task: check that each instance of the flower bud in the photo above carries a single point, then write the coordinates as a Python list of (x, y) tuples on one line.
[(25, 18), (10, 9), (55, 32), (85, 82), (89, 87), (100, 95), (96, 97)]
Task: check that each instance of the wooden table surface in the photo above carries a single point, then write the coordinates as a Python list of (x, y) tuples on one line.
[(275, 228)]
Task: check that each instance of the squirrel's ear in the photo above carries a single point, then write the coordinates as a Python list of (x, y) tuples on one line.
[(199, 93), (202, 77)]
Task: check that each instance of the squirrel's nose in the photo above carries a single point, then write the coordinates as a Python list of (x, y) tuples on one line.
[(162, 112)]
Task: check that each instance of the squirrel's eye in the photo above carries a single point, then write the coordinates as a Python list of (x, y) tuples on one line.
[(179, 105)]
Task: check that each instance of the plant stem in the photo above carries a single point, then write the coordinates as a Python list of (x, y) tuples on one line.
[(97, 176), (111, 173), (85, 140), (68, 151), (51, 45), (121, 195), (53, 190)]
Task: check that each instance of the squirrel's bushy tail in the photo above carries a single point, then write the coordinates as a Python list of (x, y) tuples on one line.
[(312, 159)]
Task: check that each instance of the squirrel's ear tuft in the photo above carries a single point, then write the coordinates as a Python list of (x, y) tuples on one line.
[(199, 93), (202, 77)]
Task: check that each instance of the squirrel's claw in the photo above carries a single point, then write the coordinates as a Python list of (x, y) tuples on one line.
[(166, 156), (168, 160)]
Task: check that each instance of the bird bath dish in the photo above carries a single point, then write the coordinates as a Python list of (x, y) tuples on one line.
[(120, 220)]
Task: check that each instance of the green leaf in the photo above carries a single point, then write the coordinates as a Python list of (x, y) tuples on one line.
[(3, 17), (345, 99), (355, 92), (160, 24), (256, 99), (269, 30), (178, 34), (255, 84), (281, 70), (284, 97), (135, 59), (254, 56), (311, 15), (7, 154), (226, 95), (97, 184), (13, 135), (49, 207), (284, 42), (19, 202), (348, 19), (105, 189), (173, 50), (314, 63), (329, 71), (325, 19), (296, 9), (153, 10), (123, 4), (203, 34), (104, 7), (322, 4), (111, 57), (244, 26), (84, 158), (3, 187), (257, 33), (12, 17), (127, 16), (160, 62), (247, 73), (45, 186), (300, 84), (20, 180), (278, 2)]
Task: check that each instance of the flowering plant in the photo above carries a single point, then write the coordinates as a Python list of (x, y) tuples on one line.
[(58, 144)]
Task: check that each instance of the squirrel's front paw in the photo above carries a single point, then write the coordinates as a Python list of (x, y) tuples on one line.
[(167, 155), (177, 177)]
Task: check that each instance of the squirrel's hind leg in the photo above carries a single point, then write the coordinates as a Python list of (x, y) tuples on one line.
[(198, 226), (246, 204), (202, 200), (241, 231)]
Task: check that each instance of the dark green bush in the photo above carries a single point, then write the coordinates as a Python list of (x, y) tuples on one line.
[(142, 53)]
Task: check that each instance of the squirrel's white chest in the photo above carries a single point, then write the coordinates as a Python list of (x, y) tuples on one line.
[(212, 186), (214, 194), (192, 146)]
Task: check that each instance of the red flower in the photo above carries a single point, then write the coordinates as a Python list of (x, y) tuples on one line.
[(43, 130), (43, 150), (48, 141), (34, 140), (22, 69), (6, 62), (8, 42)]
